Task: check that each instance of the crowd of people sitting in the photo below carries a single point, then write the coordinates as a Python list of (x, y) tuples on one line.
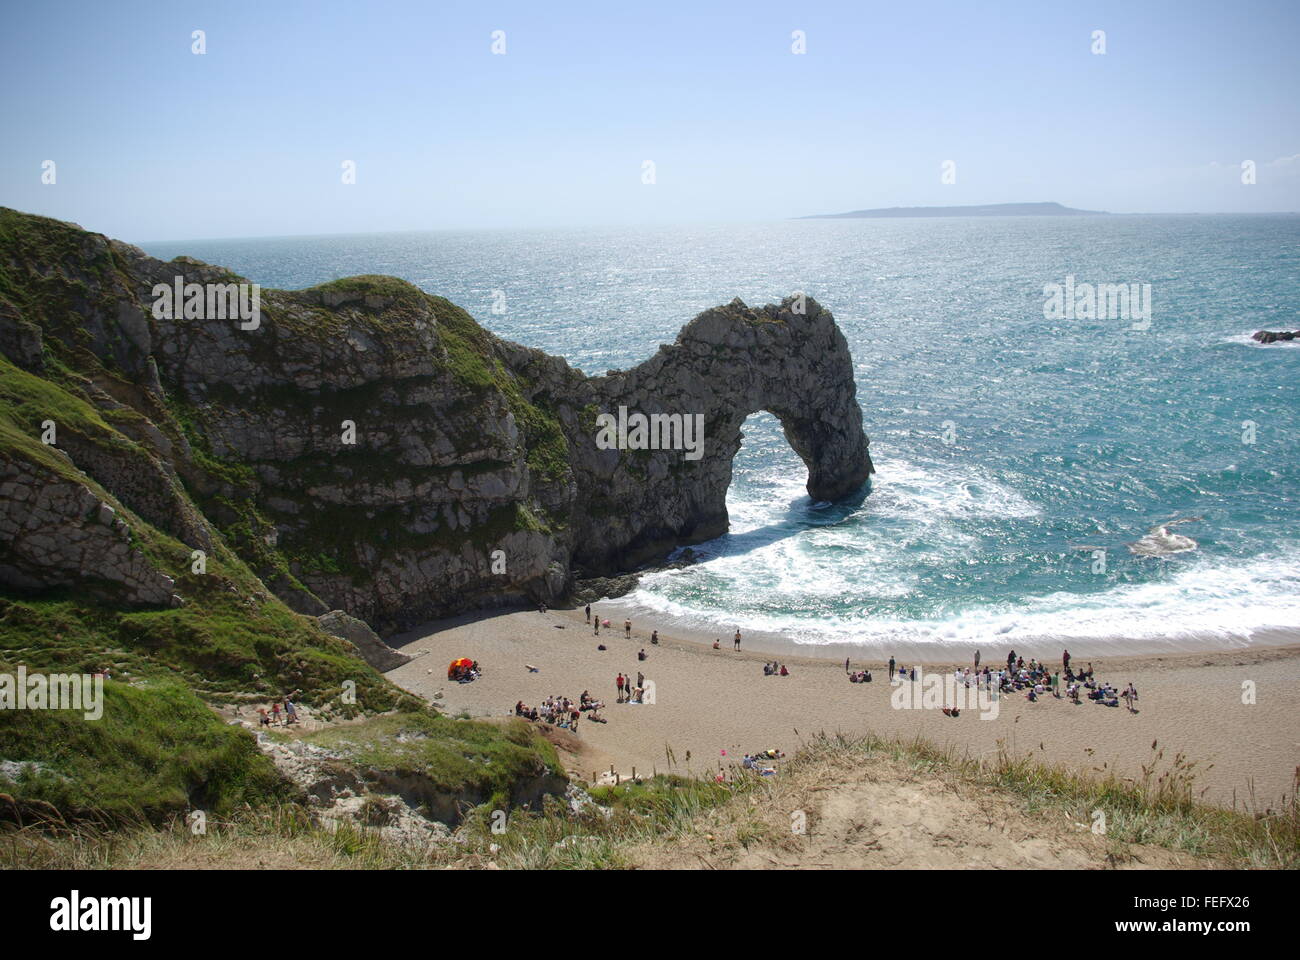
[(761, 761), (775, 669), (1035, 679), (563, 712), (860, 676)]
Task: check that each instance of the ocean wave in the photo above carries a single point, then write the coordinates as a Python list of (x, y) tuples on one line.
[(1206, 605), (935, 493)]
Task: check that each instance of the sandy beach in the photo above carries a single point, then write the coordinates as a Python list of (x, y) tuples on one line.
[(713, 706)]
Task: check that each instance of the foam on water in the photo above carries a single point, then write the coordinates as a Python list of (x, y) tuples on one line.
[(1207, 605)]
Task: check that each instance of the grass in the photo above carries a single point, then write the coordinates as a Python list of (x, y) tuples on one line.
[(155, 750), (441, 758), (1160, 808), (638, 819)]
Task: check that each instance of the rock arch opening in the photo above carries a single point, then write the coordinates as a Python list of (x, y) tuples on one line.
[(729, 363)]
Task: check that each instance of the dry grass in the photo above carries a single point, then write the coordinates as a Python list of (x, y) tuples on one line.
[(864, 802)]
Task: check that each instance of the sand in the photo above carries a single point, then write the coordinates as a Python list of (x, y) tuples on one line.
[(712, 706)]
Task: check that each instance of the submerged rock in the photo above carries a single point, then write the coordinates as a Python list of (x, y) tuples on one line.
[(1270, 336)]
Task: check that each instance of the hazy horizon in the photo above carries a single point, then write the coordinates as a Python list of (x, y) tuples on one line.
[(946, 106)]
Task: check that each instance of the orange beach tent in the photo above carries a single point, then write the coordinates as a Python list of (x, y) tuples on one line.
[(465, 662)]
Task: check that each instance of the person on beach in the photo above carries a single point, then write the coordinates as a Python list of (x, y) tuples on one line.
[(1065, 660), (596, 626), (784, 671), (620, 682), (627, 629), (846, 664), (275, 711), (654, 637), (891, 669), (977, 661), (717, 644), (589, 613), (737, 639), (1130, 694)]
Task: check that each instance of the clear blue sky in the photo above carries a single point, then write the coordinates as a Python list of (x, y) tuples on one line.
[(153, 142)]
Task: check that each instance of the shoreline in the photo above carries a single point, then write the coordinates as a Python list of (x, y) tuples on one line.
[(942, 651), (712, 706)]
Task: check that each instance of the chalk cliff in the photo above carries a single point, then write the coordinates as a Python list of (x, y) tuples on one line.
[(367, 447)]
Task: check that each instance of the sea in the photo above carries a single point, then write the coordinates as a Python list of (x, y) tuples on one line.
[(1114, 484)]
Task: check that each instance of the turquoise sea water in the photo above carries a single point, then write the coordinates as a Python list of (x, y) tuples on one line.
[(1067, 436)]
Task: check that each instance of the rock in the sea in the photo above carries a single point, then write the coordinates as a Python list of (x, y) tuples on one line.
[(1271, 336)]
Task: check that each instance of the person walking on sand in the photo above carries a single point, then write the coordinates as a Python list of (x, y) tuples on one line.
[(596, 626), (737, 639), (619, 681), (846, 664), (589, 613), (1065, 660), (891, 669), (977, 661)]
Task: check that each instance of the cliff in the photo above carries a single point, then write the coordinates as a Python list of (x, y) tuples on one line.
[(363, 446)]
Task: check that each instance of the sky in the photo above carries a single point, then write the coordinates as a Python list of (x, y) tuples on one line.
[(151, 141)]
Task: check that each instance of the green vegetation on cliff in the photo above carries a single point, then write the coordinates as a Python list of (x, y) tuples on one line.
[(67, 302)]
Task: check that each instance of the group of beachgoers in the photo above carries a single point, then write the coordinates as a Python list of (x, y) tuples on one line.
[(464, 672), (761, 762), (629, 693), (272, 719), (597, 623), (1035, 679), (563, 712), (775, 669)]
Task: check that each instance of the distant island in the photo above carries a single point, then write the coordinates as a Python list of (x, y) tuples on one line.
[(985, 210)]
